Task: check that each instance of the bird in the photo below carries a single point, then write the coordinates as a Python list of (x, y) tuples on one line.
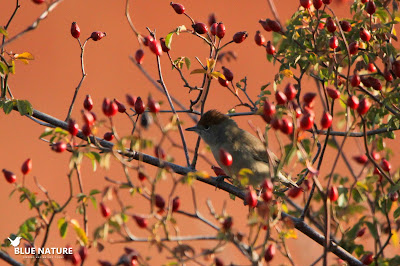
[(219, 131), (15, 242)]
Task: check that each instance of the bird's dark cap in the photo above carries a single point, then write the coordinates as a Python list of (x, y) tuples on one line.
[(212, 117)]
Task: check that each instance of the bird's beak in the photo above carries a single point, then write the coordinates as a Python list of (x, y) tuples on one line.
[(195, 129)]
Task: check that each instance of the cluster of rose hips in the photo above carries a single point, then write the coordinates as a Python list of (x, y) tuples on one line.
[(268, 25), (158, 47), (26, 168), (95, 36), (216, 29), (110, 109)]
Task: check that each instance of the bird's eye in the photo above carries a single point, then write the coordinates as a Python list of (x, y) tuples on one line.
[(206, 127)]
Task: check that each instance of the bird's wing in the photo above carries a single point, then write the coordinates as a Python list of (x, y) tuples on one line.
[(258, 150)]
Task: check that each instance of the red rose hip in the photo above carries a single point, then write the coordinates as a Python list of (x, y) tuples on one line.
[(333, 42), (365, 35), (227, 73), (280, 97), (251, 197), (139, 106), (225, 157), (333, 93), (259, 39), (333, 193), (239, 37), (155, 47), (105, 211), (179, 8), (270, 48), (73, 127), (364, 106), (353, 102), (200, 28), (290, 91), (139, 56), (75, 30), (221, 30), (26, 166), (270, 253), (88, 103), (97, 35), (9, 176), (330, 25), (326, 120)]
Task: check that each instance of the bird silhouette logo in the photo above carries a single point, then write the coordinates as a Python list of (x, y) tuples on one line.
[(15, 242)]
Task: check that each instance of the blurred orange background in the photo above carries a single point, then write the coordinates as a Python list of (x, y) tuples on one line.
[(49, 81)]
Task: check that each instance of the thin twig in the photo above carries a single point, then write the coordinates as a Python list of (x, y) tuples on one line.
[(35, 24)]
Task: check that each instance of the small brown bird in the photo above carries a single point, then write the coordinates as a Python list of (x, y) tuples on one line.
[(247, 151)]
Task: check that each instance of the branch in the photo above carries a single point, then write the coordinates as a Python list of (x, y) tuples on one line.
[(357, 134), (4, 256)]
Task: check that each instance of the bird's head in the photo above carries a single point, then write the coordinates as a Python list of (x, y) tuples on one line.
[(213, 126)]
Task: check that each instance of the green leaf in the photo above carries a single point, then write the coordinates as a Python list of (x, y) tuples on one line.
[(3, 68), (24, 107), (47, 132), (396, 213), (263, 87), (187, 62), (168, 39), (3, 31), (62, 227), (94, 192), (372, 230), (8, 106), (394, 188)]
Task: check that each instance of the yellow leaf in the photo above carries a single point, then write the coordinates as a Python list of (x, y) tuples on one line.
[(24, 55), (395, 238), (245, 172), (291, 234), (287, 73), (217, 74), (24, 61), (198, 71), (12, 69), (202, 174), (79, 232), (210, 63)]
